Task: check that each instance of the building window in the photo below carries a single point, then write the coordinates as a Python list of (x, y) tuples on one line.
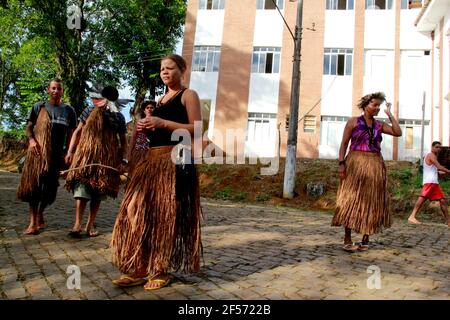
[(212, 4), (411, 4), (337, 62), (206, 59), (340, 4), (409, 138), (379, 4), (259, 126), (309, 124), (269, 4), (266, 60)]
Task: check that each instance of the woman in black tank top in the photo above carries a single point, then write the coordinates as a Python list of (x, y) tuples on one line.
[(157, 229)]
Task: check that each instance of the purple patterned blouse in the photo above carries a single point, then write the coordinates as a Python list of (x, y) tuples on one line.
[(365, 138)]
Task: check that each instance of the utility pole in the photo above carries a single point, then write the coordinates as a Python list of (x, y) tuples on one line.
[(291, 152), (422, 138)]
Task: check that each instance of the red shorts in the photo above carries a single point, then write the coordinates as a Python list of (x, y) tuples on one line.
[(432, 191)]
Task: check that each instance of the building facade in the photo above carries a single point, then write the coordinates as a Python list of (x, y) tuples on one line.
[(239, 55)]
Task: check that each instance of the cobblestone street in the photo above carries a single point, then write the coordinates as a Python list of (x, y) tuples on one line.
[(250, 252)]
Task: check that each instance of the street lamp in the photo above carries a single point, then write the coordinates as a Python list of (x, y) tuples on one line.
[(291, 150)]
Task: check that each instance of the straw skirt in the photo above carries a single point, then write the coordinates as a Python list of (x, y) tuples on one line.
[(39, 180), (157, 229), (363, 199)]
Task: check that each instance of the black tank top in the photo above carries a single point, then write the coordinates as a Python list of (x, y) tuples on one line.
[(172, 110)]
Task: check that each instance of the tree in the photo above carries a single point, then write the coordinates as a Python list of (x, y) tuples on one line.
[(26, 64), (83, 41), (140, 33)]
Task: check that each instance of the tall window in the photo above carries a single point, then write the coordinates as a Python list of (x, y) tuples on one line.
[(379, 4), (337, 62), (206, 59), (266, 60), (212, 4), (269, 4), (340, 4)]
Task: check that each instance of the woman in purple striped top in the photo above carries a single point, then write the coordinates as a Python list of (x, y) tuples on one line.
[(363, 201)]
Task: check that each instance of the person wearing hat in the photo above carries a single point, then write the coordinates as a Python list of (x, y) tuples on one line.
[(97, 147)]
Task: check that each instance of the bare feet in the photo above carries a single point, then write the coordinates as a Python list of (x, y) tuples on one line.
[(41, 222), (92, 233), (31, 230), (413, 221)]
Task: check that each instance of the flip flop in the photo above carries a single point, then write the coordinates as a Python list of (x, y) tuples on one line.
[(363, 246), (127, 281), (350, 247), (161, 283)]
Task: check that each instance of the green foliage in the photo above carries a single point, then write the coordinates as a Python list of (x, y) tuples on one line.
[(118, 39), (404, 175), (224, 194), (240, 196), (262, 197), (13, 133)]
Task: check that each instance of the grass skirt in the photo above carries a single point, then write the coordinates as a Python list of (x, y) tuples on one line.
[(98, 145), (158, 225), (36, 167), (363, 199)]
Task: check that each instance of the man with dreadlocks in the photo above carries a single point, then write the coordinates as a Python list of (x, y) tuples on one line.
[(49, 124), (100, 145), (362, 203)]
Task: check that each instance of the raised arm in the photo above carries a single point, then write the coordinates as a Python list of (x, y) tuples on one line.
[(393, 130)]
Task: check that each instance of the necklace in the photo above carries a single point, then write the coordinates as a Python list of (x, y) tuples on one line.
[(370, 132)]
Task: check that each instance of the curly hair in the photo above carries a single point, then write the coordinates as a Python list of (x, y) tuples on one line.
[(364, 101)]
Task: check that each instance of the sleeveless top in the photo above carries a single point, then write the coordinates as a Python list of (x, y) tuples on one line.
[(172, 110), (430, 173), (142, 141), (365, 138)]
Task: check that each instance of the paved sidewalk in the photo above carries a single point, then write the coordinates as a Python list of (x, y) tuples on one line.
[(250, 252)]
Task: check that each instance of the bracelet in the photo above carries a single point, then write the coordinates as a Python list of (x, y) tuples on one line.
[(342, 162)]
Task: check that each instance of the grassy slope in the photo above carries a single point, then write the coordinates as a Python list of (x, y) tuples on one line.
[(243, 183)]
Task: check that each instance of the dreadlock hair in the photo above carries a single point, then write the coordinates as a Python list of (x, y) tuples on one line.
[(364, 101)]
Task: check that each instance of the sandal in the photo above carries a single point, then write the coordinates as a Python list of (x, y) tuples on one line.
[(350, 247), (363, 246), (127, 281), (160, 283)]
